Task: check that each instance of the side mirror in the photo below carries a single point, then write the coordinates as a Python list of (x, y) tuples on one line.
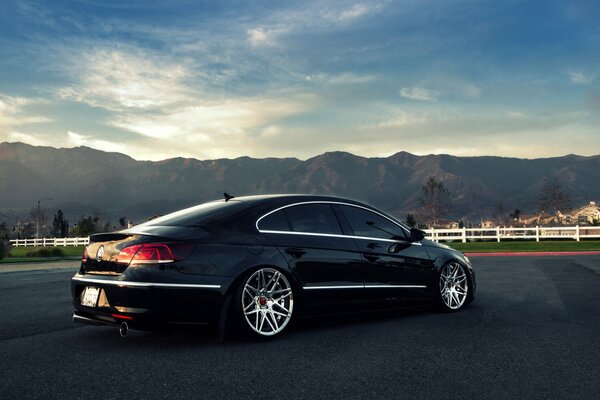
[(398, 247), (416, 235)]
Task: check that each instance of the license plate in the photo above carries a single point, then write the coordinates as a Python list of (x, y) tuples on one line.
[(90, 297)]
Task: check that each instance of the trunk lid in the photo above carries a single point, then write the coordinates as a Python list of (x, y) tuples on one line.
[(103, 250)]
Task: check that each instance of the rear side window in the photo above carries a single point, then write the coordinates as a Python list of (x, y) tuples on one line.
[(313, 218), (368, 224), (274, 222)]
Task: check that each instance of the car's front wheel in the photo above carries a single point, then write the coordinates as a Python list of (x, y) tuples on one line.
[(453, 287), (266, 302)]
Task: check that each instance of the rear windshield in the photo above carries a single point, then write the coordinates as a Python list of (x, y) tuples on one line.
[(198, 215)]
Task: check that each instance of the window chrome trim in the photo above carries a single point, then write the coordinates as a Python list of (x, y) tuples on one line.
[(395, 286), (333, 234), (366, 287), (337, 236), (334, 287), (146, 284)]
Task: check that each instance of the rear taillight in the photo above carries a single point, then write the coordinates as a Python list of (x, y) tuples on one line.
[(153, 253), (127, 253)]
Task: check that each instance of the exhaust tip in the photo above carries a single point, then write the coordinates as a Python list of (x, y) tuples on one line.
[(123, 329)]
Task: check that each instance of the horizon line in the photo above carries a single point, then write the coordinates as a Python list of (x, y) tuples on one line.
[(301, 159)]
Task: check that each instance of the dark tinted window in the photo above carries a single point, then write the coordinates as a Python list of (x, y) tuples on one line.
[(274, 222), (198, 215), (369, 224), (314, 218)]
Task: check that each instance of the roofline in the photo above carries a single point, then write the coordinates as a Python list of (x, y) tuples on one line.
[(303, 196)]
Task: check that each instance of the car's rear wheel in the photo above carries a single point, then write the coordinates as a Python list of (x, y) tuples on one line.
[(453, 287), (266, 302)]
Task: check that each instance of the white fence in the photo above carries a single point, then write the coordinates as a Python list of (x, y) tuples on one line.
[(76, 241), (498, 234), (462, 234)]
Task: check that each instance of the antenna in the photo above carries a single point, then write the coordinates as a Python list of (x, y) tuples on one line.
[(228, 197)]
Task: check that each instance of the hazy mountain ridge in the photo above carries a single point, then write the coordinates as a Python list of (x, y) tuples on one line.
[(83, 180)]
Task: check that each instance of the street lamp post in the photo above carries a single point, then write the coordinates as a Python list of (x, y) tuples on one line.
[(37, 235)]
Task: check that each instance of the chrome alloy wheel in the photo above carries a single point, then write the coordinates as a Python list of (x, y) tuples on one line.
[(267, 301), (454, 286)]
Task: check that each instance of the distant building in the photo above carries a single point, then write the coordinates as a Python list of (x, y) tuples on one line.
[(446, 224), (488, 223), (586, 215)]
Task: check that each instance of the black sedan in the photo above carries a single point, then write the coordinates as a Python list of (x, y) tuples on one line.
[(253, 263)]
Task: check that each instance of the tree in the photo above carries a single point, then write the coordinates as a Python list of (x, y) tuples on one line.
[(3, 231), (410, 220), (500, 215), (552, 198), (123, 222), (25, 230), (435, 202), (60, 227), (4, 248), (515, 215), (86, 226)]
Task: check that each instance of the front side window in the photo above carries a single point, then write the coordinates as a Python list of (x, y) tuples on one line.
[(368, 224), (313, 218)]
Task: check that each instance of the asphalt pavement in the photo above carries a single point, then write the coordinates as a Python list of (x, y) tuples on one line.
[(532, 333)]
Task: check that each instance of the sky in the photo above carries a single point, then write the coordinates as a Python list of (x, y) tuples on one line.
[(224, 79)]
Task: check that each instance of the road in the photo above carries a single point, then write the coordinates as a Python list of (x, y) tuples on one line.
[(533, 332)]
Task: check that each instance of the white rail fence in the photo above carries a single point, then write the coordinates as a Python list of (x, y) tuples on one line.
[(498, 234), (76, 241), (461, 234)]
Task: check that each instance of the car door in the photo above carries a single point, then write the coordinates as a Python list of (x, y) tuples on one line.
[(325, 262), (395, 268)]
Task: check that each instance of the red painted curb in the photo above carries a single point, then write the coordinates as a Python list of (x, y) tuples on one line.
[(534, 253)]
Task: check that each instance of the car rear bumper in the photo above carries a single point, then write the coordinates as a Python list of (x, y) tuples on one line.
[(146, 305)]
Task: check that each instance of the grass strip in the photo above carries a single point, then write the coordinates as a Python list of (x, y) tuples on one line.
[(525, 245), (22, 252)]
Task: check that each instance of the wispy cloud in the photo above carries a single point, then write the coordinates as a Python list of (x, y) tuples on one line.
[(343, 78), (579, 78), (419, 93), (348, 14), (35, 139), (75, 139), (125, 79), (164, 101), (211, 122), (13, 112), (258, 37)]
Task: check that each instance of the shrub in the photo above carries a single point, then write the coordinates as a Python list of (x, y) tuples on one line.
[(46, 252), (4, 249)]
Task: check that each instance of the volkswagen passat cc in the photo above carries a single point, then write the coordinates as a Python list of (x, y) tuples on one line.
[(251, 264)]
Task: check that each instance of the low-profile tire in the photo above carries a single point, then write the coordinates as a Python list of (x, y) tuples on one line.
[(453, 290), (264, 303)]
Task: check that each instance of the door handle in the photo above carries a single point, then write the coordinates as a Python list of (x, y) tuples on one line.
[(296, 253), (371, 258)]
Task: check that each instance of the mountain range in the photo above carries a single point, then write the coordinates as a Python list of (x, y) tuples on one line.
[(84, 181)]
